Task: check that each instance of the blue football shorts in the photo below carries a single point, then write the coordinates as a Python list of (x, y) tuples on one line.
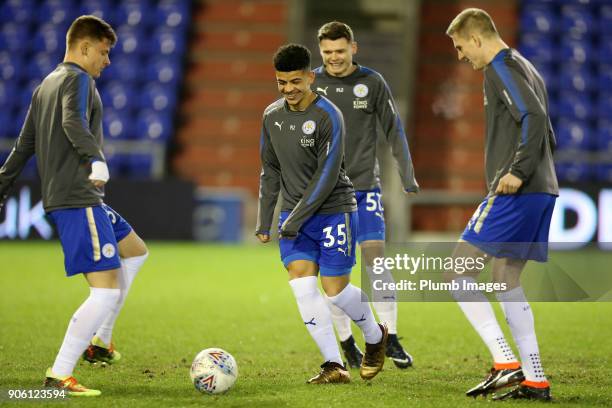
[(371, 216), (89, 237), (326, 239), (512, 226)]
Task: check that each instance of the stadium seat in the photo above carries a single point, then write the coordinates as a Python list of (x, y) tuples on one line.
[(50, 39), (41, 65), (537, 18), (575, 51), (118, 96), (605, 19), (573, 172), (576, 77), (16, 11), (574, 135), (139, 166), (577, 20), (57, 12), (131, 42), (16, 122), (164, 70), (11, 67), (158, 98), (154, 125), (604, 173), (605, 49), (122, 69), (100, 8), (604, 105), (167, 42), (7, 96), (15, 38), (604, 79), (134, 13), (573, 105), (604, 135), (5, 117), (117, 124), (537, 48), (172, 13)]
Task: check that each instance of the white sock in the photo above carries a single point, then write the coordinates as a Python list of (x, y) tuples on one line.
[(342, 322), (82, 326), (520, 319), (384, 301), (387, 313), (479, 312), (127, 273), (316, 316), (349, 300)]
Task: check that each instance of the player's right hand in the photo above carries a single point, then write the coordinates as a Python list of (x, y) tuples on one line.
[(263, 238), (99, 173)]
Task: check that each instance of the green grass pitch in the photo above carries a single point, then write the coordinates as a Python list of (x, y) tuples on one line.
[(189, 297)]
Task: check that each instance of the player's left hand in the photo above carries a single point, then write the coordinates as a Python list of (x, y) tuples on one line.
[(509, 184)]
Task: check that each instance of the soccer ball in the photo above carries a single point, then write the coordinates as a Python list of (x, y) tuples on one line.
[(213, 371)]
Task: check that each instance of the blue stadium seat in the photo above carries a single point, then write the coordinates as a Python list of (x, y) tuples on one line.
[(164, 70), (51, 39), (172, 13), (604, 135), (604, 79), (122, 69), (16, 11), (117, 124), (16, 123), (114, 161), (604, 172), (7, 96), (574, 172), (537, 48), (139, 166), (41, 65), (605, 49), (12, 67), (167, 42), (134, 13), (573, 105), (118, 96), (100, 8), (574, 135), (5, 117), (605, 19), (15, 38), (538, 18), (154, 125), (131, 42), (57, 12), (575, 51), (158, 98), (576, 77), (604, 105), (577, 20)]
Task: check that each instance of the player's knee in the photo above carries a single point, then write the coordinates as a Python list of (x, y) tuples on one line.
[(332, 286)]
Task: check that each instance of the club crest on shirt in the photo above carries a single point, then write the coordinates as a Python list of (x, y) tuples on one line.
[(309, 127), (360, 90), (108, 250)]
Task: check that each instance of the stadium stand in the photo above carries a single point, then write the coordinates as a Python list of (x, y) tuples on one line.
[(140, 88)]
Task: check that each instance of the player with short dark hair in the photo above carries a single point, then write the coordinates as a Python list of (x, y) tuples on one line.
[(63, 128), (302, 155), (511, 225), (365, 100)]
